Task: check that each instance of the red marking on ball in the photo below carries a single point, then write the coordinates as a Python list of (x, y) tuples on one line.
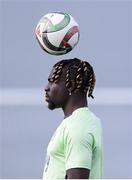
[(65, 43), (38, 31)]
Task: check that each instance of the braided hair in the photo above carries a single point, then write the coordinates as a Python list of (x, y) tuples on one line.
[(78, 72)]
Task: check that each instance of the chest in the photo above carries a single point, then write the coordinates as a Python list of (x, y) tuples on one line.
[(56, 144)]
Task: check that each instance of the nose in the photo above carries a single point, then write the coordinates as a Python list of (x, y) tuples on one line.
[(46, 88)]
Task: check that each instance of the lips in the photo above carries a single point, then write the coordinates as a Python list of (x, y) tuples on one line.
[(46, 97)]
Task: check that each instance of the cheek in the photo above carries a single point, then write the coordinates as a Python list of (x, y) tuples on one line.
[(54, 91), (58, 93), (62, 95)]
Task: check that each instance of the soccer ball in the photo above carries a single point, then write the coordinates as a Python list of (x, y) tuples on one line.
[(57, 33)]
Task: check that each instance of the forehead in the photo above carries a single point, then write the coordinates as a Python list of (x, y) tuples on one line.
[(51, 73)]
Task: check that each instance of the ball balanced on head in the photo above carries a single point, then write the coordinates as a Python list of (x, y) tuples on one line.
[(57, 33)]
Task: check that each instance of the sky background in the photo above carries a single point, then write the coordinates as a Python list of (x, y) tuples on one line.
[(26, 124)]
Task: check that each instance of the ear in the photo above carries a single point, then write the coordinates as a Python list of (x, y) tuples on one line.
[(72, 87)]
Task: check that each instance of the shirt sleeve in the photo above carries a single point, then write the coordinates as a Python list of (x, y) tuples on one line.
[(78, 149)]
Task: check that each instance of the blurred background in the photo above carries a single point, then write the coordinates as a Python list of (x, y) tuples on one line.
[(26, 124)]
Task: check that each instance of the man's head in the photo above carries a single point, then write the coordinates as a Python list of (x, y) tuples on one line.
[(68, 78)]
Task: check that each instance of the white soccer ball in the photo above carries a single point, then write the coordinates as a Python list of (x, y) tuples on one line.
[(57, 33)]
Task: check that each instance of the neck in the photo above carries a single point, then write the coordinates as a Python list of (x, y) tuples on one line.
[(75, 101)]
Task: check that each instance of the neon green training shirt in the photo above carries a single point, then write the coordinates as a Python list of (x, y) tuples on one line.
[(77, 143)]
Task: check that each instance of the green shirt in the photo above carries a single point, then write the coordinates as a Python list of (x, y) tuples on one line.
[(77, 143)]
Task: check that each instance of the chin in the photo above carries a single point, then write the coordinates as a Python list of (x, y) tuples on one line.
[(51, 106)]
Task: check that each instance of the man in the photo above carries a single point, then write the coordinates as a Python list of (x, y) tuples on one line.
[(75, 150)]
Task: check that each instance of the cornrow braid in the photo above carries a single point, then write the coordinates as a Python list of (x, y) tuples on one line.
[(68, 83), (79, 79), (80, 72), (85, 71), (88, 71), (57, 72), (91, 86)]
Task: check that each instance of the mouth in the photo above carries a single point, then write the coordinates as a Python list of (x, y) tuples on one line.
[(46, 98)]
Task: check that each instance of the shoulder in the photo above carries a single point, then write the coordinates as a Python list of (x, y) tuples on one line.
[(82, 120), (76, 132), (83, 126)]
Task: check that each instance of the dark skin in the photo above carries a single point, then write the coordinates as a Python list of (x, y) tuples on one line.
[(58, 96), (77, 173)]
